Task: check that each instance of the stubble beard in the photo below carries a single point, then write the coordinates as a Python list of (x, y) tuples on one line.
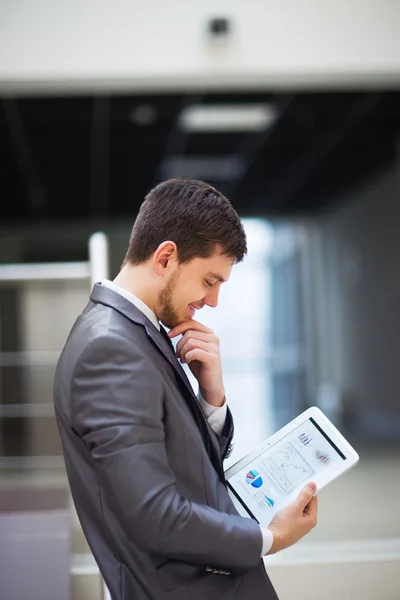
[(168, 316)]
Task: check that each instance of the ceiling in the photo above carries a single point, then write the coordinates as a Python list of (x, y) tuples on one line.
[(83, 157)]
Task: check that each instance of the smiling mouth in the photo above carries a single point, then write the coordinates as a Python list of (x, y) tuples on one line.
[(195, 308)]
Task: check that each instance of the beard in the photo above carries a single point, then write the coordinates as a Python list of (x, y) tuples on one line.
[(168, 315)]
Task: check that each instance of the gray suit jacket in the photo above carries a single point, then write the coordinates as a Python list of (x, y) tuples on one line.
[(145, 468)]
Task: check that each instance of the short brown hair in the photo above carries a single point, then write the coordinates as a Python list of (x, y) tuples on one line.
[(190, 213)]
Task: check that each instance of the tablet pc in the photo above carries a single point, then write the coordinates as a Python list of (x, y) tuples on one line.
[(309, 448)]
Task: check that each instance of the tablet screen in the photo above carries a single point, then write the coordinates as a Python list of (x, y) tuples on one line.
[(272, 479)]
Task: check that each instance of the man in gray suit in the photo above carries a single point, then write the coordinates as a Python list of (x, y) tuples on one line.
[(143, 453)]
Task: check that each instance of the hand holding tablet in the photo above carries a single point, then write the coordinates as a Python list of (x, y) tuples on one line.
[(294, 521), (308, 449)]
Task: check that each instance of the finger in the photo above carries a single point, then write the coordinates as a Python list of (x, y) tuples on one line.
[(312, 507), (306, 495), (186, 325), (196, 354), (189, 345), (196, 335)]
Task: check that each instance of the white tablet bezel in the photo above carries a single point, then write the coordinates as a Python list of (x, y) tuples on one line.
[(323, 477)]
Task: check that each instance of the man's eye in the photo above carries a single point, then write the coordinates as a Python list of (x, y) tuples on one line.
[(208, 283)]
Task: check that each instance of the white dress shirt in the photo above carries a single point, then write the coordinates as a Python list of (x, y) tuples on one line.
[(215, 415)]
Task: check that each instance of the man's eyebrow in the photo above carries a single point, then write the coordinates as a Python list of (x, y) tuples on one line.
[(216, 276)]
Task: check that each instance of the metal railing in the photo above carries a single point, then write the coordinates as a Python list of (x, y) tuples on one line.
[(93, 270)]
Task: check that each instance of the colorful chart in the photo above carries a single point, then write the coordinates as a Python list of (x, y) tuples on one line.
[(322, 457), (269, 501), (253, 478)]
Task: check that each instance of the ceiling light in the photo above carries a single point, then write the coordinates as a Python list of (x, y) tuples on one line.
[(205, 118)]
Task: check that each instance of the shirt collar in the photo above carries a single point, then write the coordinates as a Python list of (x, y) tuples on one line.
[(146, 310)]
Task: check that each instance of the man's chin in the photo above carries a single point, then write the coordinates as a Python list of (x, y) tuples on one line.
[(172, 322)]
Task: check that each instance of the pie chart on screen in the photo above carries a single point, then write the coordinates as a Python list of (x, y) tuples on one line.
[(253, 478)]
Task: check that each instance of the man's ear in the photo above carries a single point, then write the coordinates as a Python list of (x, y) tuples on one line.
[(165, 258)]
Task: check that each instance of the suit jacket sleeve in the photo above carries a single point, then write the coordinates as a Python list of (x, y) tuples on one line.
[(117, 408)]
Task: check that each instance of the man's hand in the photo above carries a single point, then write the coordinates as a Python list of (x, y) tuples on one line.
[(199, 348), (293, 522)]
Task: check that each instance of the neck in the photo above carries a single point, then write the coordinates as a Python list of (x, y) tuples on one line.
[(137, 280)]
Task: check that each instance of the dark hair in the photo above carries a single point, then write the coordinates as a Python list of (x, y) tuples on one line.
[(190, 213)]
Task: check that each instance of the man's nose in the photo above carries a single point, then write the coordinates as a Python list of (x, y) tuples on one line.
[(212, 298)]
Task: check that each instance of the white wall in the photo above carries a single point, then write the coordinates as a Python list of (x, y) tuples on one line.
[(47, 44)]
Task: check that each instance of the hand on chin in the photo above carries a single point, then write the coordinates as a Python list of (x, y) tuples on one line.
[(199, 348)]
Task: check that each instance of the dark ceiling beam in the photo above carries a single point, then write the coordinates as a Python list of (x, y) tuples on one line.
[(177, 139), (281, 191), (251, 145), (100, 157), (24, 156)]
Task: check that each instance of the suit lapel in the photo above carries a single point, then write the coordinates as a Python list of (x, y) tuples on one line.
[(162, 345), (209, 436)]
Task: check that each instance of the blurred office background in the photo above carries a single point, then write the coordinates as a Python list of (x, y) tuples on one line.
[(293, 111)]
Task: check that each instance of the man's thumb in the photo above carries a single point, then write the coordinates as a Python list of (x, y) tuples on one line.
[(306, 494)]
